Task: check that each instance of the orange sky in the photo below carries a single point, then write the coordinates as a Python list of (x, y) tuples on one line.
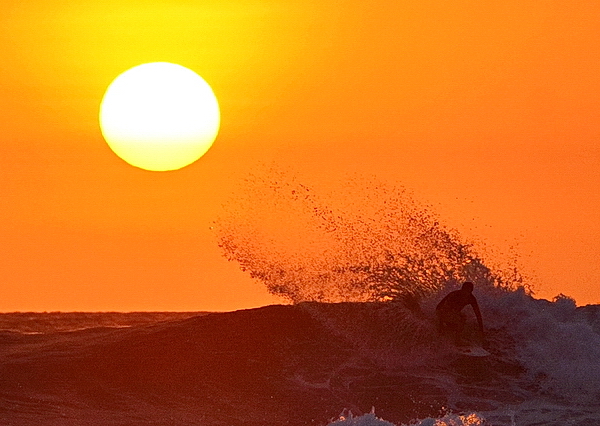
[(487, 110)]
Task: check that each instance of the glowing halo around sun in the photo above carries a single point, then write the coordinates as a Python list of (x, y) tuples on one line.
[(159, 116)]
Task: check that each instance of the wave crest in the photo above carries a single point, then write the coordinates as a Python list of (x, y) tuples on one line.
[(360, 241)]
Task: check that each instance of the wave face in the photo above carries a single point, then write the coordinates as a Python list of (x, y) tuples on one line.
[(363, 242)]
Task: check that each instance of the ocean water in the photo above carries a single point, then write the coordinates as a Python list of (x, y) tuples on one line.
[(372, 242), (543, 368), (356, 363), (371, 419), (362, 271)]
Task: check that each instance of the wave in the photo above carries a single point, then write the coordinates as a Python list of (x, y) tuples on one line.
[(306, 363), (365, 269), (366, 241), (51, 322)]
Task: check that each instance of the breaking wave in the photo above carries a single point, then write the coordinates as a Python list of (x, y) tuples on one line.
[(360, 241), (367, 241)]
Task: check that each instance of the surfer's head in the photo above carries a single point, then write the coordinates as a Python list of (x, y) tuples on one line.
[(467, 287)]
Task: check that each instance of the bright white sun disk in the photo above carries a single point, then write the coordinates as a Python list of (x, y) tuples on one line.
[(159, 116)]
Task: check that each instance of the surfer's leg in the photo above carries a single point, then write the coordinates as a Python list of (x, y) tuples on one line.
[(455, 325), (460, 322)]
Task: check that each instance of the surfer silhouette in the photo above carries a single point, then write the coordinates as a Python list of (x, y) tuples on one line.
[(449, 318)]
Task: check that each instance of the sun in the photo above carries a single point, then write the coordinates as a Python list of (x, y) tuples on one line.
[(159, 116)]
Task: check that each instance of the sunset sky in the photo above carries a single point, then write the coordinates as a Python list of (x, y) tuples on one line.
[(488, 111)]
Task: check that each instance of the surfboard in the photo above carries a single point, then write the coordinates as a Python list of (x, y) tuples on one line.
[(477, 351)]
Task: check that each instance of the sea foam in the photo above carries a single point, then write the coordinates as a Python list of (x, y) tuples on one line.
[(471, 419)]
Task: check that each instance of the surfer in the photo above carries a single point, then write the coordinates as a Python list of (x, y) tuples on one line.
[(450, 319)]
